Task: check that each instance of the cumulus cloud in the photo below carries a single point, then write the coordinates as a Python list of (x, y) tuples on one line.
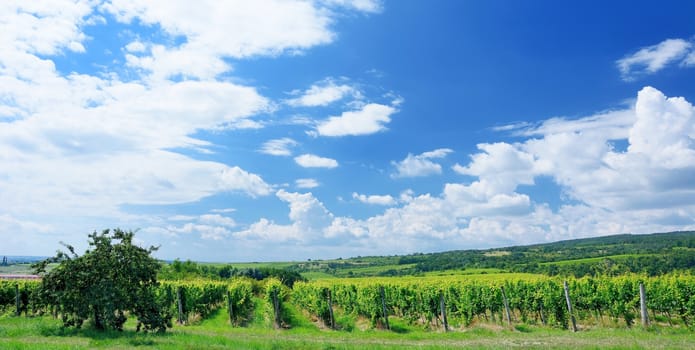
[(420, 165), (651, 59), (646, 187), (90, 144), (369, 119), (308, 220), (207, 226), (323, 93), (307, 183), (217, 30), (279, 147), (314, 161), (386, 200)]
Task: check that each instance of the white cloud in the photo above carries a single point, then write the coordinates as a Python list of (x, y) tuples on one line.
[(207, 226), (502, 167), (370, 119), (420, 165), (44, 28), (651, 59), (279, 147), (386, 200), (307, 183), (314, 161), (223, 210), (645, 188), (215, 30), (308, 217), (323, 93), (361, 5)]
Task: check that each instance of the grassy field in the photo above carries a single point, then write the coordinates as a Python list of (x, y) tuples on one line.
[(215, 333)]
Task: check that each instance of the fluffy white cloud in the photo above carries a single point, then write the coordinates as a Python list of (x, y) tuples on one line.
[(207, 226), (651, 173), (370, 119), (362, 5), (279, 147), (374, 199), (420, 165), (652, 59), (502, 167), (39, 27), (308, 220), (323, 93), (646, 187), (314, 161), (216, 30), (89, 145), (307, 183)]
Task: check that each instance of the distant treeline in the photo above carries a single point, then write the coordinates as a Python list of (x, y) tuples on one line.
[(182, 270), (652, 254)]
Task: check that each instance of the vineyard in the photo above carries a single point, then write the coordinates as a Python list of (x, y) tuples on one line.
[(434, 303)]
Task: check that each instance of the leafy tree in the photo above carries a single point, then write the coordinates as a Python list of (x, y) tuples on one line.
[(111, 279)]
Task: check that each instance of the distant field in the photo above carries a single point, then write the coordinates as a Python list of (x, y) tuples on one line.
[(19, 269), (594, 260)]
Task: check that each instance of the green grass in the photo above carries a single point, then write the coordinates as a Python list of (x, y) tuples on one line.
[(216, 333)]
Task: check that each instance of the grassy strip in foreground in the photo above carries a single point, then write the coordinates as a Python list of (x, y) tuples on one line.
[(215, 333)]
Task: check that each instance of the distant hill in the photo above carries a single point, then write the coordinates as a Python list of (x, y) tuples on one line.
[(652, 254)]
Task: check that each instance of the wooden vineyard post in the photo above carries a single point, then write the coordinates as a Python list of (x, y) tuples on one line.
[(545, 323), (569, 306), (442, 307), (506, 307), (276, 308), (179, 303), (643, 305), (330, 309), (383, 307), (230, 308), (17, 300)]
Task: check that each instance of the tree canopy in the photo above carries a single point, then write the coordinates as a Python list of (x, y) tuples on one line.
[(112, 279)]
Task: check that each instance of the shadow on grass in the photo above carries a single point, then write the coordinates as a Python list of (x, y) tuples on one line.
[(131, 336)]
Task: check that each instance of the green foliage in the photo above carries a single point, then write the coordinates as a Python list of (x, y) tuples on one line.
[(189, 270), (112, 278), (531, 300)]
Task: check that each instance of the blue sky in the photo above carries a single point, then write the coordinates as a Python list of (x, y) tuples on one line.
[(289, 130)]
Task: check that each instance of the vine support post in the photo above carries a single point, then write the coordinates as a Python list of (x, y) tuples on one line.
[(506, 307), (383, 307), (230, 308), (643, 305), (569, 306), (330, 308), (17, 299), (442, 307), (179, 303), (276, 308)]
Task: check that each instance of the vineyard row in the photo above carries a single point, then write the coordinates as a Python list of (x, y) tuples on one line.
[(431, 302)]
